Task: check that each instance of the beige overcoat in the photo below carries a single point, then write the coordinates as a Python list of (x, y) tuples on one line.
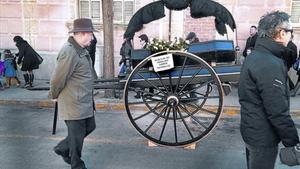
[(72, 82)]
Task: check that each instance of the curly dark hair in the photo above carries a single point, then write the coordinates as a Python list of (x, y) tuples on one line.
[(269, 23)]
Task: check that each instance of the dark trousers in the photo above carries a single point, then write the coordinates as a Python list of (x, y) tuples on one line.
[(72, 145), (261, 157)]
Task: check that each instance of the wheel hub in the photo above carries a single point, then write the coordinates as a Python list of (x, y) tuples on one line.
[(172, 100)]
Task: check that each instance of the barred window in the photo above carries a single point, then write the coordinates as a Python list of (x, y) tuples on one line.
[(123, 10), (295, 13)]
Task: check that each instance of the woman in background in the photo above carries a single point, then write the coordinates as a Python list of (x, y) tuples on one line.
[(28, 58)]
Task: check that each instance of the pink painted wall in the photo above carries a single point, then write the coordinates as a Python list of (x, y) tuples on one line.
[(44, 23), (41, 22)]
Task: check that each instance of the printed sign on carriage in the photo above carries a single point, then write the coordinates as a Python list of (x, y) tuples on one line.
[(163, 62)]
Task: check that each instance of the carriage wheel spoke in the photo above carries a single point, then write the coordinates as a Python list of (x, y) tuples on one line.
[(193, 117), (157, 117), (181, 72), (143, 91), (203, 109), (174, 120), (196, 88), (167, 111), (151, 84), (193, 112), (150, 111), (184, 122), (159, 77), (197, 98), (192, 78)]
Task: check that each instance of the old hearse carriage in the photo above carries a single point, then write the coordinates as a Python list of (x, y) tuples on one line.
[(177, 88)]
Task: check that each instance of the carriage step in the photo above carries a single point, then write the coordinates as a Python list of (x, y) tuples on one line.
[(188, 147), (226, 88)]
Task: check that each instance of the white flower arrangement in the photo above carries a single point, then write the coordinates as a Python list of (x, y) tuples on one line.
[(157, 45)]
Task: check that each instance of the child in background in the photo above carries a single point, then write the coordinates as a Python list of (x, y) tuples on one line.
[(10, 72)]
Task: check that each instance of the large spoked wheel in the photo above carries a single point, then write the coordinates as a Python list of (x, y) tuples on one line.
[(175, 107)]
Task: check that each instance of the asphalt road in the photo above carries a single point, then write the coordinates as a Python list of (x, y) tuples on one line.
[(26, 143)]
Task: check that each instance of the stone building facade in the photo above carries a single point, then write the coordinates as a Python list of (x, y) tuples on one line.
[(45, 24)]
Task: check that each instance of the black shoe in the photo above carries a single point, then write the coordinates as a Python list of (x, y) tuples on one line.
[(66, 159)]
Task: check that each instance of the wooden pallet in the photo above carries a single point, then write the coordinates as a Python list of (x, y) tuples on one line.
[(188, 147)]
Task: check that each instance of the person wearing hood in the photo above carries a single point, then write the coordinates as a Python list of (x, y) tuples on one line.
[(28, 58), (264, 94), (10, 69)]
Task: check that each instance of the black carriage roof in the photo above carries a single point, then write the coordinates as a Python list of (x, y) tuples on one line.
[(198, 8)]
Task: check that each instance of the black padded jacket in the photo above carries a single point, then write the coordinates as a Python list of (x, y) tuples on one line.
[(264, 97)]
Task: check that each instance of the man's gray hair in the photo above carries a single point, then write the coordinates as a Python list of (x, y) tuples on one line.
[(269, 23)]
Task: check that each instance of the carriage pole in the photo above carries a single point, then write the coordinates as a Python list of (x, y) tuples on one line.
[(170, 25)]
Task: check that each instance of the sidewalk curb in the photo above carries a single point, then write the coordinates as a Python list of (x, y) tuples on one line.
[(227, 110)]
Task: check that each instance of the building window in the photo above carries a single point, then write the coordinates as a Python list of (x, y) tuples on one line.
[(90, 9), (295, 13), (123, 10)]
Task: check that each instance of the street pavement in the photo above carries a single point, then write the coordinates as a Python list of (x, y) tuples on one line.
[(26, 142)]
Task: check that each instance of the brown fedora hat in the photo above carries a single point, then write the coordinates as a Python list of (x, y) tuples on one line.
[(83, 25)]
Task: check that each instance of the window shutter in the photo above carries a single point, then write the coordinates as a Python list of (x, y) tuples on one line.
[(129, 9), (84, 9), (118, 10), (295, 14), (96, 11)]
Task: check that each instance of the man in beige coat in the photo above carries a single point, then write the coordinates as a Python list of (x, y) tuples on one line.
[(72, 85)]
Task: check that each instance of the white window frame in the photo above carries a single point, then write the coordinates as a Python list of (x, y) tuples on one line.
[(99, 21)]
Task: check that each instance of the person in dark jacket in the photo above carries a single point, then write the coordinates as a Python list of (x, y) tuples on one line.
[(290, 59), (92, 49), (125, 52), (28, 58), (251, 40), (144, 40), (264, 94), (192, 38)]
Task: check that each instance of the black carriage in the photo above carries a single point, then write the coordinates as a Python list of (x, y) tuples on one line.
[(173, 107), (177, 88)]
